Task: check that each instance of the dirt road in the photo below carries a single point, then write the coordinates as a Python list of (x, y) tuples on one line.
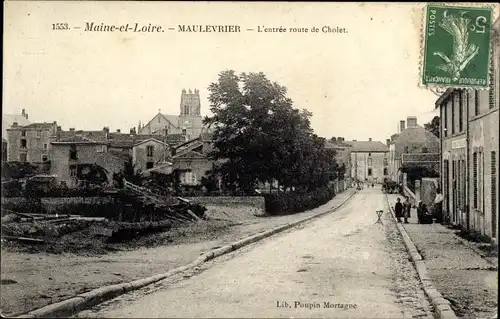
[(340, 265)]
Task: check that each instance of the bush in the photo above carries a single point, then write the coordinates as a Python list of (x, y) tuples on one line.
[(296, 202)]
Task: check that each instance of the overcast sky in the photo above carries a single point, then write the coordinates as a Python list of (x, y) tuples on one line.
[(358, 85)]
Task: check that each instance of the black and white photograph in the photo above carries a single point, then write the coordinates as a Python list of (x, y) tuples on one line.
[(233, 159)]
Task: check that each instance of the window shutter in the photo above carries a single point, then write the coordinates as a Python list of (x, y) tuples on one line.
[(474, 168), (476, 102)]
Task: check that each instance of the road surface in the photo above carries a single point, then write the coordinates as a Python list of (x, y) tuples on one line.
[(341, 265)]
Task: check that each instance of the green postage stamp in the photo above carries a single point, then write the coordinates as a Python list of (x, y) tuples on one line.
[(457, 46)]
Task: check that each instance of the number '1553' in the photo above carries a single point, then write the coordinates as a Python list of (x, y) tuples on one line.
[(60, 26)]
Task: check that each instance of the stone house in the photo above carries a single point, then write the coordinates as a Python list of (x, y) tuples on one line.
[(368, 161), (75, 158), (190, 159), (149, 153), (469, 154), (30, 143), (412, 139)]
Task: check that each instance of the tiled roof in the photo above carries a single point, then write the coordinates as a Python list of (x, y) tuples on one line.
[(94, 135), (336, 145), (367, 146), (78, 139), (175, 139), (149, 139), (40, 126)]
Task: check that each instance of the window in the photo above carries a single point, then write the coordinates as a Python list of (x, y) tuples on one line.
[(99, 149), (407, 149), (186, 109), (425, 150), (369, 154), (38, 134), (23, 133), (474, 177), (453, 113), (493, 195), (446, 185), (461, 111), (386, 171), (45, 146), (73, 155), (476, 102), (385, 162), (23, 157), (445, 119), (183, 131), (369, 162), (45, 158), (24, 143), (72, 171), (149, 151), (369, 172), (149, 165)]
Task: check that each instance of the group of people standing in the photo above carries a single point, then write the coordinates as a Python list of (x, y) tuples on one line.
[(403, 210)]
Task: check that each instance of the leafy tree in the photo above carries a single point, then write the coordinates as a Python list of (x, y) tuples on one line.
[(433, 126), (259, 136)]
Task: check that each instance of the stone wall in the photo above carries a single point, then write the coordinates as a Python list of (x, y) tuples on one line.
[(232, 208), (53, 203)]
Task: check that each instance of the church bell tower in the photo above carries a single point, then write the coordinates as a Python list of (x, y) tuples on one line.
[(190, 103)]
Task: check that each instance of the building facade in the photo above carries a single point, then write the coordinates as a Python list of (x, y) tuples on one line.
[(191, 161), (189, 122), (30, 143), (469, 156), (79, 160), (412, 139), (150, 153), (368, 161)]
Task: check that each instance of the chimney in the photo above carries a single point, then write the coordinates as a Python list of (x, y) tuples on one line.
[(388, 141), (369, 139), (118, 130), (26, 115), (72, 129), (23, 113), (59, 129), (411, 121), (106, 129), (401, 126), (354, 140), (14, 124)]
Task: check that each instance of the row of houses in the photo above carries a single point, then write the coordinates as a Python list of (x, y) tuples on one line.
[(373, 161), (469, 121), (160, 145)]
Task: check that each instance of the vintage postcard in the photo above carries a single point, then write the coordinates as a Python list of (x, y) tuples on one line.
[(250, 160)]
